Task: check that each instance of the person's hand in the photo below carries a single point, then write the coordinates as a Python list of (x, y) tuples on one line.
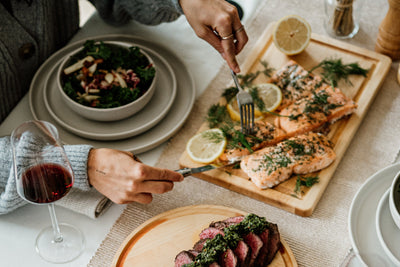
[(122, 179), (218, 23)]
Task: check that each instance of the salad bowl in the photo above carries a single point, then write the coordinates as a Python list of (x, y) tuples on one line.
[(106, 81)]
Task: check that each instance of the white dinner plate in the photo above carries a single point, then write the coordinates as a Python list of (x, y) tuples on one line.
[(362, 218), (161, 132), (388, 233), (150, 115)]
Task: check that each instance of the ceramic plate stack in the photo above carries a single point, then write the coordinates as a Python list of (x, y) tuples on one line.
[(374, 236), (157, 122)]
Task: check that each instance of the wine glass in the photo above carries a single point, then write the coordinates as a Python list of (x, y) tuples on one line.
[(43, 175)]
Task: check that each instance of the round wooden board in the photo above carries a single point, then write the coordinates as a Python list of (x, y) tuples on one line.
[(158, 240)]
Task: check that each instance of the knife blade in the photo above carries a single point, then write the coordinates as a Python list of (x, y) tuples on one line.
[(189, 171)]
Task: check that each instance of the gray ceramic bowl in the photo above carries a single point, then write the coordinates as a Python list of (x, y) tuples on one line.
[(394, 200), (105, 114)]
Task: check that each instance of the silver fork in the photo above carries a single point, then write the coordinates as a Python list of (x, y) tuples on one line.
[(246, 107)]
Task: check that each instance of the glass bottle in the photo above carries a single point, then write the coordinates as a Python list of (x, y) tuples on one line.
[(342, 18)]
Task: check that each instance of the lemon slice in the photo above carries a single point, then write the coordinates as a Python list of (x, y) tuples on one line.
[(270, 94), (234, 112), (292, 34), (207, 146)]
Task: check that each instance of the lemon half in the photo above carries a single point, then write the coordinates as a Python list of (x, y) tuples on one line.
[(292, 34), (207, 146)]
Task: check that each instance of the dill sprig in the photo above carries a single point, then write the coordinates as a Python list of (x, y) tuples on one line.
[(305, 181), (216, 115), (333, 70), (213, 137), (230, 93), (247, 80), (235, 138)]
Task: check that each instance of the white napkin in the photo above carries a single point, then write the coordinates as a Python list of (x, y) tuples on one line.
[(90, 203)]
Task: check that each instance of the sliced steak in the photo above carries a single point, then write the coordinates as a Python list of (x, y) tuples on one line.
[(243, 253), (234, 220), (194, 252), (210, 232), (200, 244), (255, 243), (184, 257), (219, 225), (214, 264), (228, 259), (227, 222), (274, 243), (263, 254)]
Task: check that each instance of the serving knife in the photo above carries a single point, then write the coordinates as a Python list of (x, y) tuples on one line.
[(189, 171)]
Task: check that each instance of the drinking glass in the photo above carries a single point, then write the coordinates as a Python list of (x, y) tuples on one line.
[(43, 175), (342, 17)]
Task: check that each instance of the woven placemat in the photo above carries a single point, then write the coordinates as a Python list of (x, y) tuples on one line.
[(321, 239)]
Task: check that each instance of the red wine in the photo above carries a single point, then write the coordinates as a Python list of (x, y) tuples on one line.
[(45, 183)]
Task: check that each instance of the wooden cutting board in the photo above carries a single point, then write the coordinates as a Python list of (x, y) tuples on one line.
[(361, 89), (157, 241)]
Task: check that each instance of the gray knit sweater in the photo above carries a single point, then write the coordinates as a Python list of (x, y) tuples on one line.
[(30, 31)]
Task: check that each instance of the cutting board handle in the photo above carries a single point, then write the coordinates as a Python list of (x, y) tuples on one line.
[(388, 41)]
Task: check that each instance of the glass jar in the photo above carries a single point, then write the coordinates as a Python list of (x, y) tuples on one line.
[(342, 17)]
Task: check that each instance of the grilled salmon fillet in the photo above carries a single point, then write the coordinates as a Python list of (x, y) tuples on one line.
[(265, 134), (297, 155), (295, 82), (324, 105)]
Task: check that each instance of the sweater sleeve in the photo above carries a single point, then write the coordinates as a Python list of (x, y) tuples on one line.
[(9, 198), (150, 12)]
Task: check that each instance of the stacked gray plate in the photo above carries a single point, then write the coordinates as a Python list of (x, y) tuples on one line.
[(157, 122)]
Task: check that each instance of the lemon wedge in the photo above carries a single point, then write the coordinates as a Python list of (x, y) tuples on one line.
[(207, 146), (271, 95), (234, 112), (292, 34)]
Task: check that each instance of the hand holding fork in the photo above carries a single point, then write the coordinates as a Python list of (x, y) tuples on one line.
[(246, 107)]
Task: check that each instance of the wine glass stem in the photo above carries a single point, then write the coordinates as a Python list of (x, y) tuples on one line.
[(56, 229)]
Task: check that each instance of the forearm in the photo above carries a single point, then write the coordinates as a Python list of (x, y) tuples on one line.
[(9, 198), (150, 12)]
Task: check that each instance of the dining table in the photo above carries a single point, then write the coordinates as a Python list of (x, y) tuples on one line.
[(321, 239)]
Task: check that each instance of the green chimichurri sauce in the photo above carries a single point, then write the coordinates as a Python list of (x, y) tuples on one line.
[(213, 248)]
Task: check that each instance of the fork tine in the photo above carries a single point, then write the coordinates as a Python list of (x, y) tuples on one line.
[(242, 117), (247, 106), (247, 118), (252, 118)]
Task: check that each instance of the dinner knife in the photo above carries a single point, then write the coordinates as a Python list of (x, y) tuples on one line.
[(189, 171)]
